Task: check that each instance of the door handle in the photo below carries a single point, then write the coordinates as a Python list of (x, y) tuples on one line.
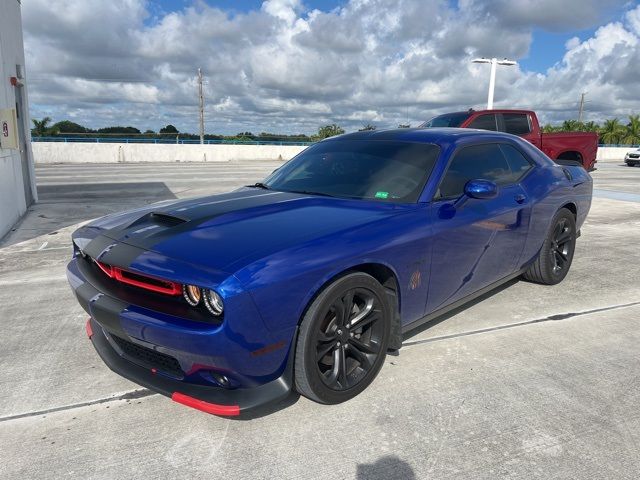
[(520, 198)]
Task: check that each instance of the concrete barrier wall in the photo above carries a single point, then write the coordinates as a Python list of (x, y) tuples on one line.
[(613, 153), (54, 152)]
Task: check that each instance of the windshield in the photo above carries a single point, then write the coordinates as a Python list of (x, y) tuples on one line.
[(446, 120), (375, 170)]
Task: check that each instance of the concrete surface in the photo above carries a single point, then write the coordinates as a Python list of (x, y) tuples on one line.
[(529, 382), (59, 152)]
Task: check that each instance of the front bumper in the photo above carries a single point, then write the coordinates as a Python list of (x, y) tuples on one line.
[(178, 356), (212, 400)]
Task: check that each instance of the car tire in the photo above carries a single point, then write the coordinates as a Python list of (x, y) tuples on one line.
[(631, 164), (339, 349), (554, 259)]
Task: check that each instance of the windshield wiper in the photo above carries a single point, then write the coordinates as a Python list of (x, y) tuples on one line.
[(259, 185), (307, 192)]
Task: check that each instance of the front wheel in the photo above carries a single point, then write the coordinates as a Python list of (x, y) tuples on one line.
[(555, 256), (343, 339)]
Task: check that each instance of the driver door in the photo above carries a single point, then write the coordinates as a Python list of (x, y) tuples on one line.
[(479, 242)]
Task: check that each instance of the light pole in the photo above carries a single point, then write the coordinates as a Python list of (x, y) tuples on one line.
[(492, 79)]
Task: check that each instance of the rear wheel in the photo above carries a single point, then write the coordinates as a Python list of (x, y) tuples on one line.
[(343, 339), (555, 257)]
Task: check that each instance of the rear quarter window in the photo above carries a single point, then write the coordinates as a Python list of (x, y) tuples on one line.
[(518, 163), (485, 122), (516, 123)]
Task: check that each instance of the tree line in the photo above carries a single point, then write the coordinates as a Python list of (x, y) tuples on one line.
[(611, 132), (67, 128)]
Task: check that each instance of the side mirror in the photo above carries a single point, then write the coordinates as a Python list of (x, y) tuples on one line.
[(481, 189)]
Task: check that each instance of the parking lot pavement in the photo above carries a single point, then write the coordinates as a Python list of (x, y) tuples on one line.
[(529, 382)]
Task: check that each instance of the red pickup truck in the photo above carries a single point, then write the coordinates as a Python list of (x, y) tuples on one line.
[(577, 146)]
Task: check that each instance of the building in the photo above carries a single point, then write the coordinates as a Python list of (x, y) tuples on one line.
[(17, 178)]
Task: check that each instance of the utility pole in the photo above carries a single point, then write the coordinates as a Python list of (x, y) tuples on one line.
[(581, 106), (201, 98)]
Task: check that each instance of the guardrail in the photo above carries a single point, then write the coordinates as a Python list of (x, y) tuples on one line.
[(163, 141)]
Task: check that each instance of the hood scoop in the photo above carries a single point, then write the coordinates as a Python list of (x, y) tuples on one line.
[(149, 225), (158, 218), (166, 219)]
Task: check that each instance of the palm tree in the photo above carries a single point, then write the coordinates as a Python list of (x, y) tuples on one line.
[(571, 126), (591, 127), (41, 127), (611, 132), (631, 135), (327, 131)]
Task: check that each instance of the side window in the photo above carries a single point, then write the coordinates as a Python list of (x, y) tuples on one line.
[(485, 122), (516, 123), (518, 163), (471, 163)]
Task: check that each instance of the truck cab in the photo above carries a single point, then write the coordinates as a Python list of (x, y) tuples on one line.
[(580, 147)]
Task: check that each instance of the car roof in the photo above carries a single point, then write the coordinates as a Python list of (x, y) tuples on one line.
[(423, 135)]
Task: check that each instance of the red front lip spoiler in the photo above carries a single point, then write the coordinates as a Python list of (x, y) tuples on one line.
[(211, 400), (213, 408), (88, 328)]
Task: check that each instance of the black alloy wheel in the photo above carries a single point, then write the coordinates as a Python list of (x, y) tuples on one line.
[(562, 245), (556, 255), (343, 339)]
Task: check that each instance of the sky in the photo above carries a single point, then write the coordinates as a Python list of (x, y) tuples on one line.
[(290, 66)]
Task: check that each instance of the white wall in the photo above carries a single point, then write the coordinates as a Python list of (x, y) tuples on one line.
[(12, 191), (613, 153), (59, 152)]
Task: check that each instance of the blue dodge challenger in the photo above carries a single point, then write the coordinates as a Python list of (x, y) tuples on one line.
[(304, 281)]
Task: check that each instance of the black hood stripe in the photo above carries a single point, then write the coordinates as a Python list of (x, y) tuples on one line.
[(122, 244)]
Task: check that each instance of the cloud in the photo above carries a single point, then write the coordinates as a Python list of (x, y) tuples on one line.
[(289, 69), (552, 15)]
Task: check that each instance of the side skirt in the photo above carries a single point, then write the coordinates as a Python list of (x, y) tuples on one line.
[(458, 303)]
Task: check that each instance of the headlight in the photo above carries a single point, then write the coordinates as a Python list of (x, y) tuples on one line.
[(192, 294), (213, 302)]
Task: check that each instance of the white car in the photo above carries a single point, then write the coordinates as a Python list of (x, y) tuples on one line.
[(632, 158)]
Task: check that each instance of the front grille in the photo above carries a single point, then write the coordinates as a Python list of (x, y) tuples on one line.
[(157, 285), (149, 358), (634, 155)]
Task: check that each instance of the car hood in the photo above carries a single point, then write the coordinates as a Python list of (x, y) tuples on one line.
[(221, 231)]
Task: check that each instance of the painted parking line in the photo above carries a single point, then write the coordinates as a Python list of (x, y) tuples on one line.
[(614, 195)]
